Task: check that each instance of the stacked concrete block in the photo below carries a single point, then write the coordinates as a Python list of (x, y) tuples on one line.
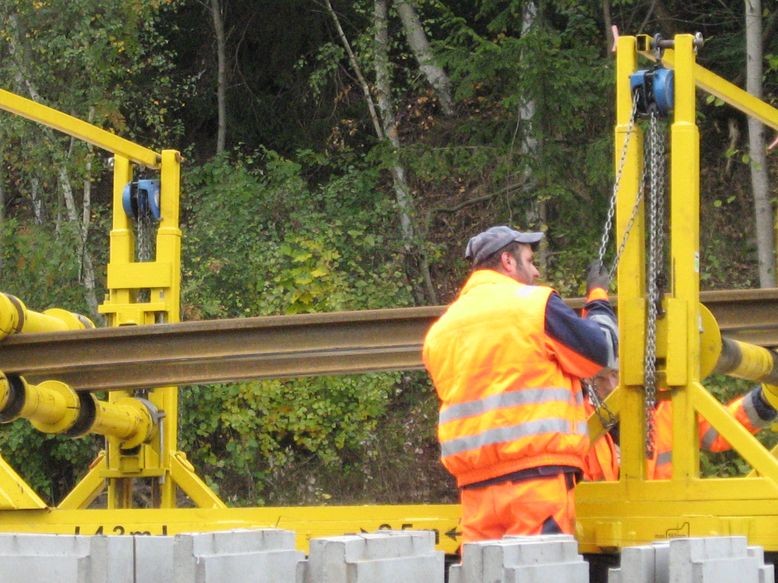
[(32, 558), (530, 559), (643, 564), (693, 560), (382, 557), (250, 556)]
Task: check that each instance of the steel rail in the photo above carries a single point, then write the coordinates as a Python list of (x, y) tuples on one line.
[(211, 351)]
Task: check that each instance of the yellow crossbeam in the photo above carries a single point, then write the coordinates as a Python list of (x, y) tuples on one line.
[(77, 128)]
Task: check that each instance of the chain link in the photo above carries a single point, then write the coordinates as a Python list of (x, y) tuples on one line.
[(656, 210), (606, 232), (607, 417), (145, 229)]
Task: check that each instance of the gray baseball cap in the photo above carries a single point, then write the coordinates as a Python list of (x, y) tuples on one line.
[(495, 238)]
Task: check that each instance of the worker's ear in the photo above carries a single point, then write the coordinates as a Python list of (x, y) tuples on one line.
[(507, 262)]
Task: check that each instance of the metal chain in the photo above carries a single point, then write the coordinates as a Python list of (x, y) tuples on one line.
[(606, 232), (145, 229), (607, 417), (655, 244)]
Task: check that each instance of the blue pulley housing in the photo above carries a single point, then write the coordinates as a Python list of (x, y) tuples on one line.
[(141, 199), (664, 89), (655, 90)]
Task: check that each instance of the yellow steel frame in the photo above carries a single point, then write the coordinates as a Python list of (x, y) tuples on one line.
[(114, 470), (611, 515), (159, 462), (636, 510)]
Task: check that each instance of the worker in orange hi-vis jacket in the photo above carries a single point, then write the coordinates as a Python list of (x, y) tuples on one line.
[(602, 461), (755, 410), (506, 359)]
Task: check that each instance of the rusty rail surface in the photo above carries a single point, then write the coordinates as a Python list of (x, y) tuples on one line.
[(137, 357)]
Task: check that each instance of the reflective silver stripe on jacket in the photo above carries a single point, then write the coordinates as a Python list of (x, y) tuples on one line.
[(707, 440), (751, 412), (511, 433), (505, 400), (665, 457)]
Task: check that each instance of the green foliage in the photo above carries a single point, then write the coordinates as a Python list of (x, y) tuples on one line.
[(259, 241), (40, 267), (50, 464), (256, 441)]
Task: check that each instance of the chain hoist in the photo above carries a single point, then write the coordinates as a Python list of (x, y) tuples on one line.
[(652, 92), (140, 200)]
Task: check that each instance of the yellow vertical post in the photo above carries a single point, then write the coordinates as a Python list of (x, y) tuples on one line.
[(168, 253), (121, 254), (631, 276), (122, 239), (685, 258)]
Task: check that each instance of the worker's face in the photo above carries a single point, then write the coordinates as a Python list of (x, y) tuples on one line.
[(520, 265)]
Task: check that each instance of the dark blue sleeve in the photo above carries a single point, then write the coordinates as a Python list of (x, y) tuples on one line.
[(594, 338)]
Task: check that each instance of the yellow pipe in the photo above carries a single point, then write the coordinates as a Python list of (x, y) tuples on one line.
[(747, 361), (54, 407), (128, 419), (15, 318)]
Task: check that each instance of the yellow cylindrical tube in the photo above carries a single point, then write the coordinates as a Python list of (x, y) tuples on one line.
[(127, 419), (15, 318), (54, 407), (11, 315), (51, 406), (747, 361)]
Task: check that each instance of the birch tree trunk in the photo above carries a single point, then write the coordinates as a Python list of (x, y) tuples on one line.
[(389, 124), (763, 211), (18, 51), (217, 15), (417, 40), (352, 59)]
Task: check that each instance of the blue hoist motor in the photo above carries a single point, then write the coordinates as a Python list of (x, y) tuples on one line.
[(654, 89), (140, 199)]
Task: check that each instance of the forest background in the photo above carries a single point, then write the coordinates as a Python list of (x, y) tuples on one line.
[(338, 154)]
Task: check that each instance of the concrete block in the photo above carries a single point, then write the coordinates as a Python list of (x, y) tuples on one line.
[(251, 556), (642, 564), (733, 570), (385, 556), (66, 558), (685, 552), (154, 559), (530, 558), (567, 572)]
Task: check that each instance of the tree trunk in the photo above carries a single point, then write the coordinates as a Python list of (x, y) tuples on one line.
[(417, 40), (388, 118), (217, 15), (608, 23), (352, 59), (17, 50), (763, 212), (389, 125), (85, 258)]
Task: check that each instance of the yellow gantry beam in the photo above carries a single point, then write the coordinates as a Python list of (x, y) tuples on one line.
[(77, 128), (728, 92)]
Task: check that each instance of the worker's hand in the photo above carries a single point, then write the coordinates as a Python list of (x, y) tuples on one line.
[(597, 277)]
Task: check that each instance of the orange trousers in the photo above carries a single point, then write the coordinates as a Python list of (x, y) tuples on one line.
[(544, 505)]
